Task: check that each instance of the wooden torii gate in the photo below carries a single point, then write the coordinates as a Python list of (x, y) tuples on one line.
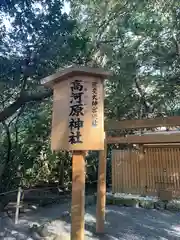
[(129, 139), (139, 124)]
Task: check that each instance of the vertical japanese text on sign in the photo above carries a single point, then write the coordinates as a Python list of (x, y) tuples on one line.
[(76, 114), (94, 105)]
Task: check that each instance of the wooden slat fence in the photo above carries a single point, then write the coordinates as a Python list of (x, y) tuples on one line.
[(147, 172)]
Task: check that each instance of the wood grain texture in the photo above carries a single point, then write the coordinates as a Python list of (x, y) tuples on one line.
[(101, 192), (142, 123), (145, 139), (92, 136), (150, 171), (78, 196)]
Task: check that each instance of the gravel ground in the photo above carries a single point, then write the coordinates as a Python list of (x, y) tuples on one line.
[(122, 223)]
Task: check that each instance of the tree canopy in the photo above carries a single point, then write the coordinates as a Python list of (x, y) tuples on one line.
[(39, 40), (36, 40), (138, 41)]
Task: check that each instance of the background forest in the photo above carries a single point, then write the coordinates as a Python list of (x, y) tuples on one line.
[(139, 41)]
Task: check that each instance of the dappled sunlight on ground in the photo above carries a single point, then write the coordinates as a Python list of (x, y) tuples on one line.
[(121, 223)]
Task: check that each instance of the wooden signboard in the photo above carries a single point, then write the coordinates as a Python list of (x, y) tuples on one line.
[(78, 114), (78, 109), (78, 126)]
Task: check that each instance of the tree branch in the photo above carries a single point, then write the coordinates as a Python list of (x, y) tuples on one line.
[(21, 101), (142, 96), (177, 46)]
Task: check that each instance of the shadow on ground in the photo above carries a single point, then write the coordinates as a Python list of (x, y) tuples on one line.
[(137, 223), (121, 223)]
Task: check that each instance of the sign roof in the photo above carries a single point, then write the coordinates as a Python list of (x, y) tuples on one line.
[(72, 71)]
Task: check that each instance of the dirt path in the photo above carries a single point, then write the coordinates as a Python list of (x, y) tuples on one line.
[(122, 223)]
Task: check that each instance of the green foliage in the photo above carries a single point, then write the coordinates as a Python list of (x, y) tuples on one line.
[(39, 40), (138, 41)]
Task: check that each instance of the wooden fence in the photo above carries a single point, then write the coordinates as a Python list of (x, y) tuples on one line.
[(147, 171)]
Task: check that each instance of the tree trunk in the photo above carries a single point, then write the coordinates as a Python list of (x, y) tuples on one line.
[(61, 172)]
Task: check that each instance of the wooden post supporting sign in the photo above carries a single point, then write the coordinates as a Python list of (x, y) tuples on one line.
[(78, 193), (77, 126), (101, 191)]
